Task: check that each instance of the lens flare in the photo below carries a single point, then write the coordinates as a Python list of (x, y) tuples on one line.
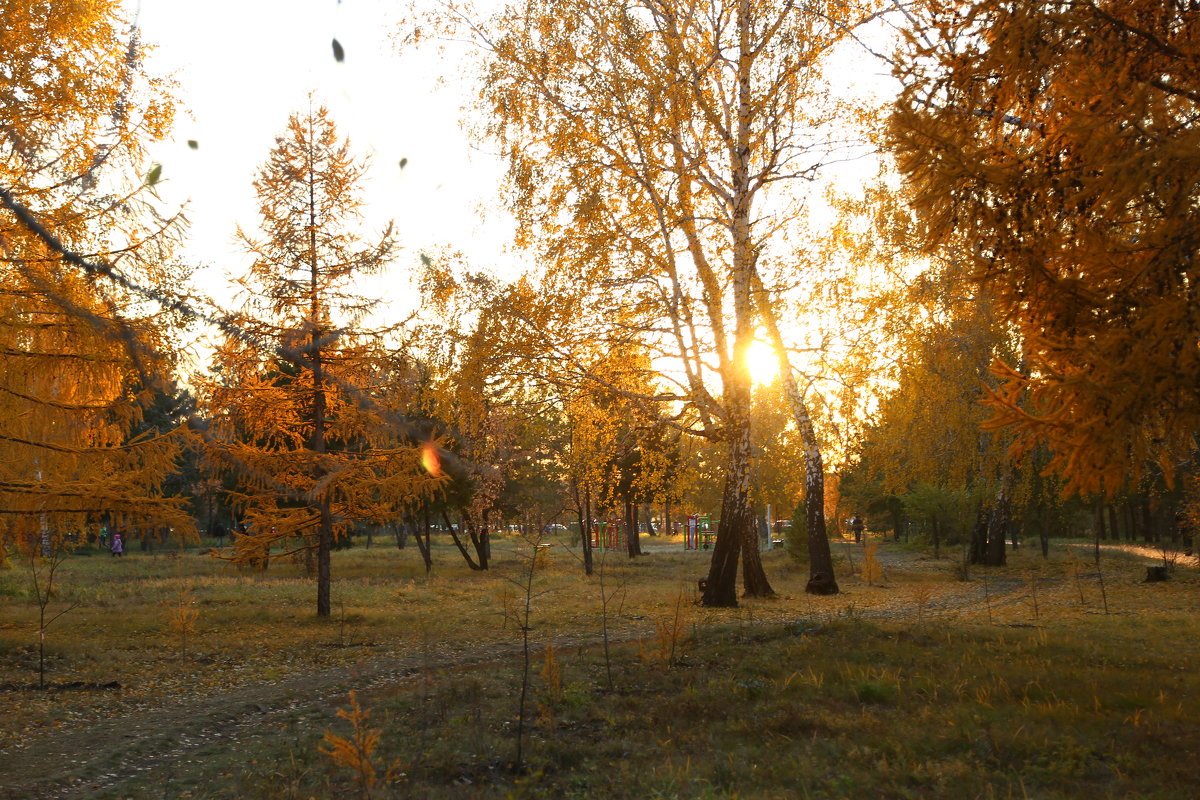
[(430, 461)]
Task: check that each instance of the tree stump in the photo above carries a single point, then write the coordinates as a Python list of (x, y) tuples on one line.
[(1156, 574)]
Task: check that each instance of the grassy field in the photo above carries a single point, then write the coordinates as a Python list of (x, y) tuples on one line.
[(1016, 683)]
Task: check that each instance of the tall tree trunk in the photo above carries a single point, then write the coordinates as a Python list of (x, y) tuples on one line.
[(325, 519), (979, 536), (720, 590), (1151, 530), (996, 554), (633, 542), (585, 512), (821, 579), (737, 514)]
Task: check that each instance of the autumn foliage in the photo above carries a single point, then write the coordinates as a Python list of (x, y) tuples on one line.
[(1054, 145)]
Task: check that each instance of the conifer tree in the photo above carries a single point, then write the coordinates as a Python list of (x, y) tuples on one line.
[(81, 355), (1054, 144), (311, 447)]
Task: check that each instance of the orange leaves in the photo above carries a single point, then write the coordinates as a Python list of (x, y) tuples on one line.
[(357, 751), (1060, 164)]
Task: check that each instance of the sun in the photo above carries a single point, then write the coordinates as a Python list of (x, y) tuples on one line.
[(764, 364)]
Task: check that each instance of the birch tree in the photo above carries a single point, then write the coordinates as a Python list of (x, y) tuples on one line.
[(650, 147)]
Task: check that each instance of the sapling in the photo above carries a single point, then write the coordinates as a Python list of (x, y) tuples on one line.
[(525, 583), (45, 557)]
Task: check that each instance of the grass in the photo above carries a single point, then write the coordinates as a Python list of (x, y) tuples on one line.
[(901, 689)]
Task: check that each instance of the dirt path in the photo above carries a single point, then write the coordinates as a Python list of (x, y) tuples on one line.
[(75, 763)]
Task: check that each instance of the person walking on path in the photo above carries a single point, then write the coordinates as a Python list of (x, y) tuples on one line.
[(118, 547), (856, 525)]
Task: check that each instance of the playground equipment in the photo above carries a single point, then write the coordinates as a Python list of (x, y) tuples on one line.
[(608, 535), (700, 534)]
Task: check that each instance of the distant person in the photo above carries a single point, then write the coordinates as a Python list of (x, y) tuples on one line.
[(856, 525), (219, 533), (103, 536), (118, 547)]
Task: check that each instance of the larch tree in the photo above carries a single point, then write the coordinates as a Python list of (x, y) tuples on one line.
[(82, 354), (294, 420), (1055, 145), (652, 151)]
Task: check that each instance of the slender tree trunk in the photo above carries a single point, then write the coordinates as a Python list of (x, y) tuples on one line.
[(458, 543), (426, 554), (583, 512), (325, 519), (585, 530), (736, 530), (484, 544), (1150, 529), (821, 579)]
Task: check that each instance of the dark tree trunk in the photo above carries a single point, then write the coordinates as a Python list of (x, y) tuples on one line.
[(458, 543), (324, 548), (484, 544), (1150, 529), (585, 527), (633, 542), (979, 537), (423, 546), (720, 588)]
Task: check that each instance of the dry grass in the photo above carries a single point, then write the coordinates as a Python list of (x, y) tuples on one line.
[(900, 689)]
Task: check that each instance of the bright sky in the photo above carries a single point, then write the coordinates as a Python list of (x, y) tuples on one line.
[(244, 65)]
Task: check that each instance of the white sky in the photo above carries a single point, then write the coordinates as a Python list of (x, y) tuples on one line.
[(244, 65)]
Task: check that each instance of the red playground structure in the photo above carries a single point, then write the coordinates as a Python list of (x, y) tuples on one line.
[(700, 534), (608, 535)]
